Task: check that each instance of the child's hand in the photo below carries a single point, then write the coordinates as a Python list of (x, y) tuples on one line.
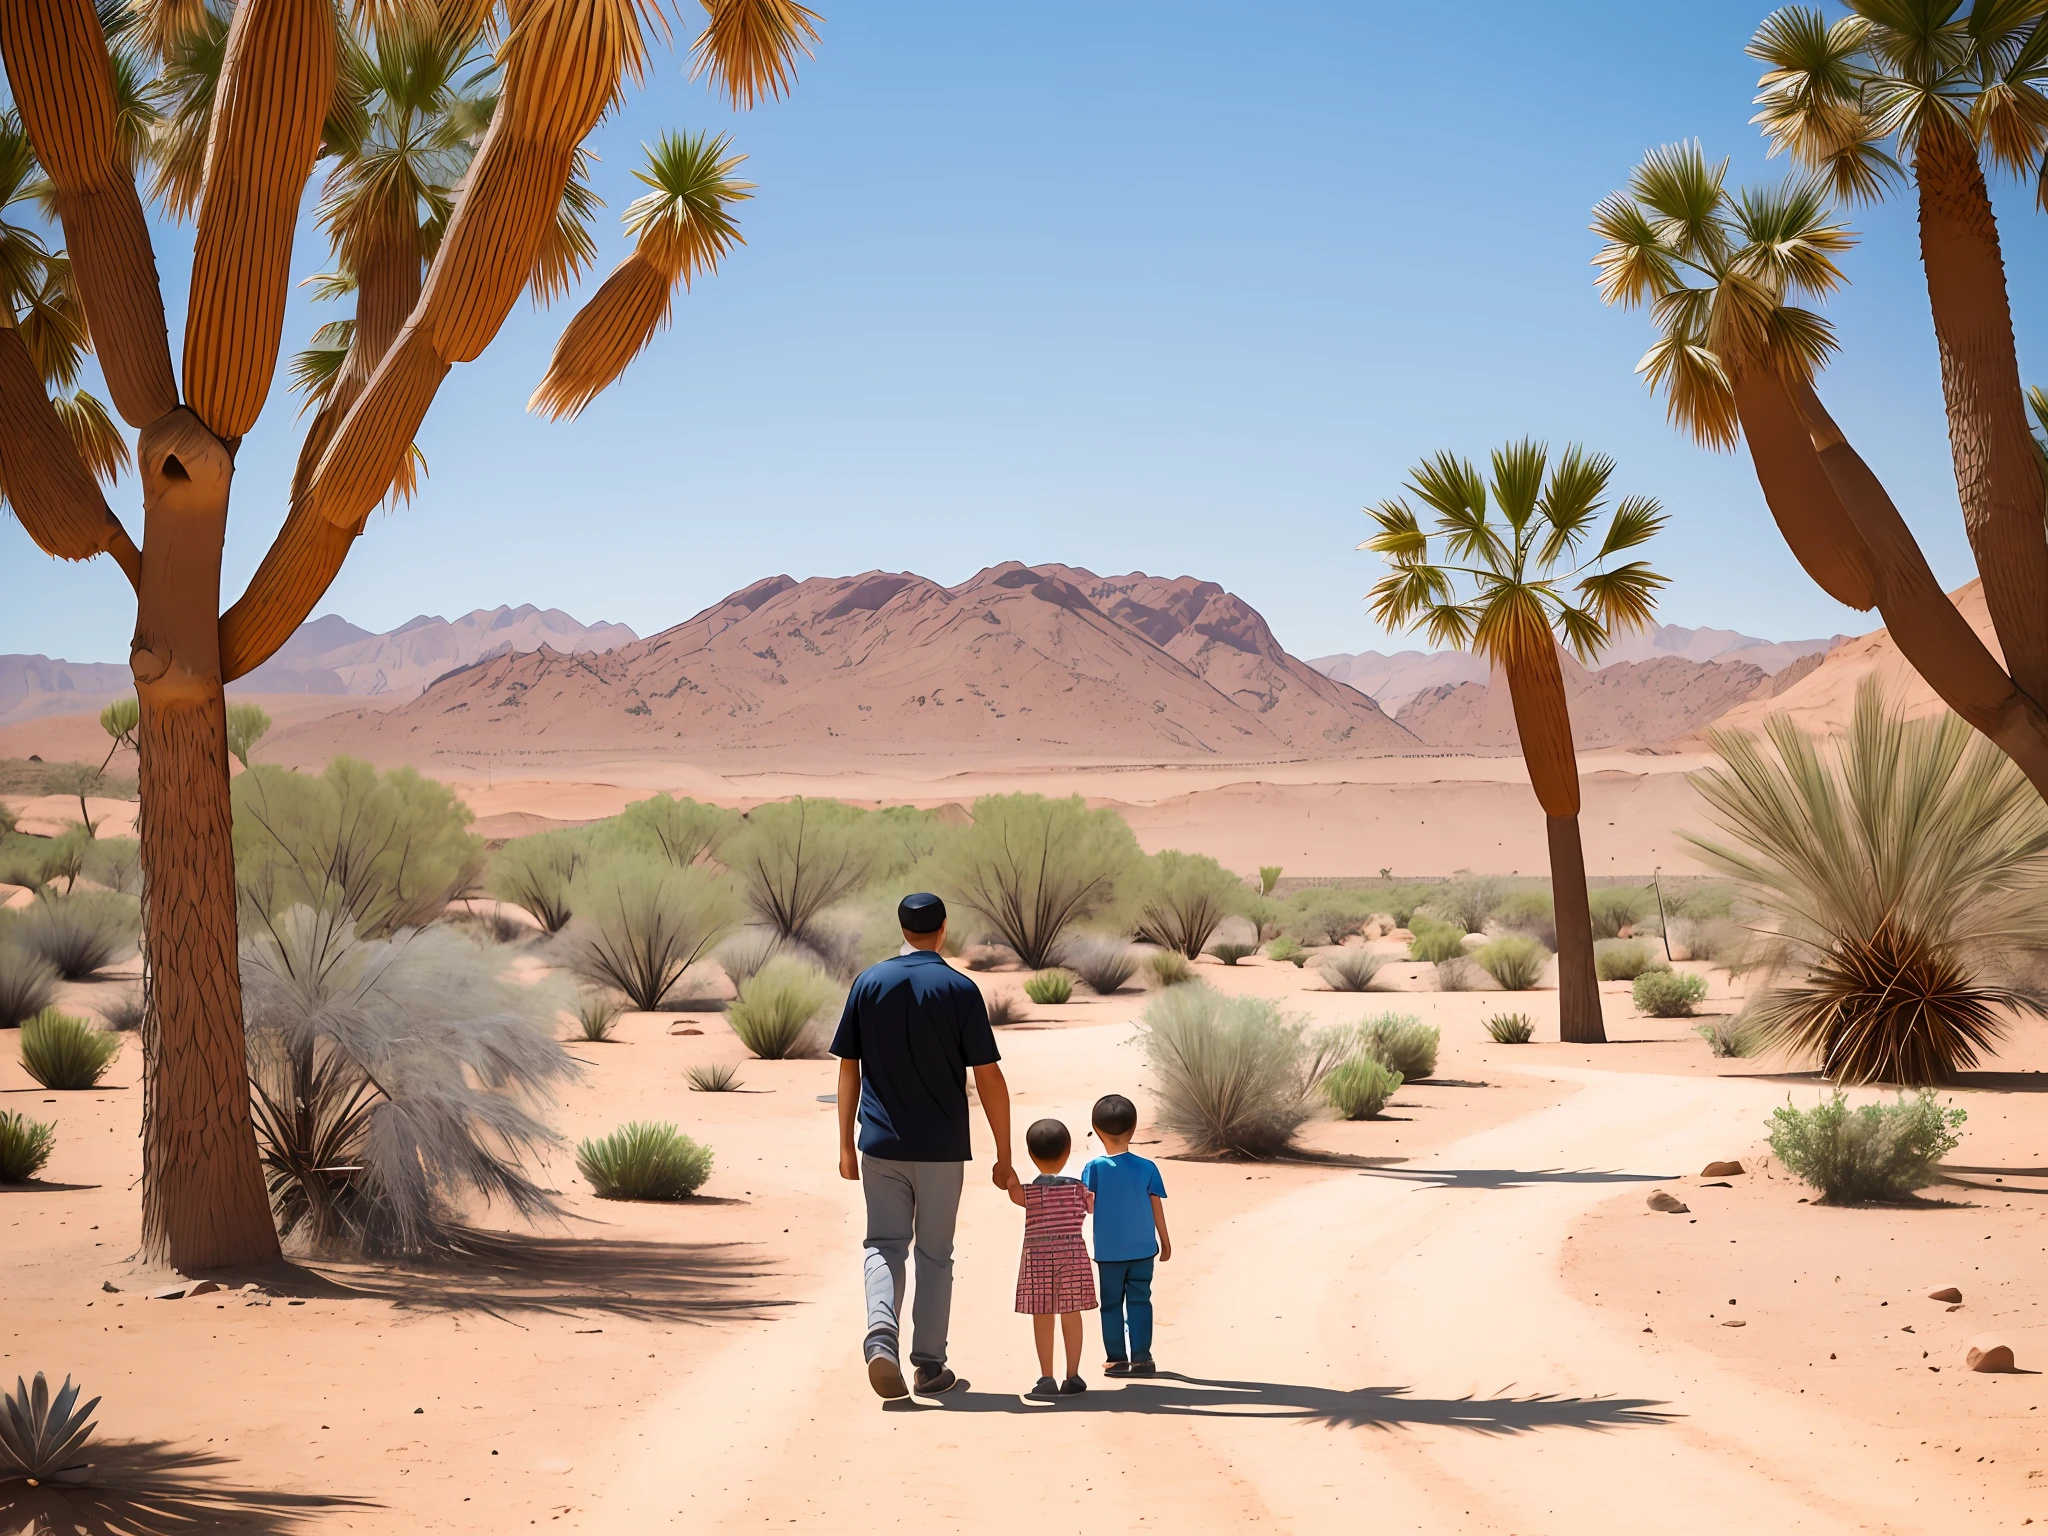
[(1165, 1249)]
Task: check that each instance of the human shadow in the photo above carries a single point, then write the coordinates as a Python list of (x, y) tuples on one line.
[(1388, 1408), (1513, 1178), (152, 1488)]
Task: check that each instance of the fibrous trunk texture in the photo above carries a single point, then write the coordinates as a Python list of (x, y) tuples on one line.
[(41, 474), (1996, 476), (1579, 1020), (1810, 516)]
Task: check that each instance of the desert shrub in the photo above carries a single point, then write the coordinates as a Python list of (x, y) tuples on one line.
[(1459, 974), (1435, 941), (384, 851), (1263, 914), (1230, 953), (116, 863), (1169, 968), (1289, 950), (1050, 987), (1401, 1043), (1182, 898), (42, 862), (597, 1013), (1351, 970), (1615, 907), (1871, 1152), (716, 1077), (644, 1160), (743, 955), (120, 720), (1900, 873), (247, 725), (1717, 939), (1511, 1029), (25, 776), (680, 831), (1527, 910), (777, 1007), (539, 874), (1625, 959), (1325, 914), (80, 935), (1269, 876), (988, 957), (1514, 960), (28, 982), (25, 1146), (123, 1012), (1358, 1088), (1234, 1074), (642, 922), (797, 857), (1103, 961), (63, 1052), (1030, 868), (395, 1081), (1669, 994), (1470, 902), (1729, 1037), (487, 925), (1005, 1008), (42, 1439)]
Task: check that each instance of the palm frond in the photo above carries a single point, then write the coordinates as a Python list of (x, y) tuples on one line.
[(313, 370), (1400, 536), (1624, 598), (1787, 241), (52, 324), (749, 48), (1636, 521), (569, 248), (101, 447), (1686, 196), (1633, 261), (1518, 480), (1572, 499), (191, 43), (1697, 397)]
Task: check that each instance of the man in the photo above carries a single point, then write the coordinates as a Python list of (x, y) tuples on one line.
[(912, 1029)]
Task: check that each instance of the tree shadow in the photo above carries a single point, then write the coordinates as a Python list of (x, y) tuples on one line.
[(1514, 1178), (150, 1488), (1963, 1082), (41, 1187), (1388, 1408)]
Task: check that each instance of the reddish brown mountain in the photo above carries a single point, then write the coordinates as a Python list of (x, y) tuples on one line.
[(1628, 704), (1019, 665)]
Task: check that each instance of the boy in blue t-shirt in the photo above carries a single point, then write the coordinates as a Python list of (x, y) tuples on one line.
[(1130, 1231)]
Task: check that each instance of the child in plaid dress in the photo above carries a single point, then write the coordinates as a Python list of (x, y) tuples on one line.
[(1054, 1277)]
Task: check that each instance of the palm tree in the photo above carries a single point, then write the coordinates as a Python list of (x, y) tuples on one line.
[(247, 100), (1948, 85), (1902, 877), (1736, 361), (1513, 581)]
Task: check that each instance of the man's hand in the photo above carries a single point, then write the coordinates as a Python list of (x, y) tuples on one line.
[(849, 1118), (849, 1164), (1003, 1176), (994, 1093)]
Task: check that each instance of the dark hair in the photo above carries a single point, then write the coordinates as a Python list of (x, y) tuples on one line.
[(1048, 1139), (1115, 1114)]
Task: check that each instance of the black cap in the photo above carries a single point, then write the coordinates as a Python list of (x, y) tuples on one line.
[(921, 912)]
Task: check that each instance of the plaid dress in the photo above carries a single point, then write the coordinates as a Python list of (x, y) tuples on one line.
[(1055, 1274)]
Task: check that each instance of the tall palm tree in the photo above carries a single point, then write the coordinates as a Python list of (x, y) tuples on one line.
[(249, 98), (1736, 359), (1511, 578), (1940, 88)]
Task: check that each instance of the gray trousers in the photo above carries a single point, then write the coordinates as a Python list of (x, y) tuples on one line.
[(910, 1203)]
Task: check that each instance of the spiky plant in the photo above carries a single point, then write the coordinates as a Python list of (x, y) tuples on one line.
[(1400, 1042), (1728, 1037), (1435, 942), (778, 1007), (1351, 970), (1003, 1008), (717, 1077), (644, 1160), (1358, 1089), (28, 983), (1902, 872), (1515, 961), (743, 955), (1050, 987), (80, 935), (642, 922), (597, 1013), (41, 1435), (1169, 968), (1269, 876), (1510, 1029), (1230, 953), (1668, 994), (1183, 897), (1104, 961), (1030, 868), (63, 1052), (1235, 1075), (796, 858), (123, 1012), (539, 875), (25, 1146)]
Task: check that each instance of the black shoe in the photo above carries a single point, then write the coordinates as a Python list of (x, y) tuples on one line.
[(1073, 1386), (886, 1377), (1117, 1368), (933, 1380), (1143, 1368), (1046, 1387)]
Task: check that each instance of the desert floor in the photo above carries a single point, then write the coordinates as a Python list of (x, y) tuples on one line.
[(1459, 1318)]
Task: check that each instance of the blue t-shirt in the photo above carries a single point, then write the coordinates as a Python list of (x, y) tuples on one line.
[(1124, 1186), (915, 1025)]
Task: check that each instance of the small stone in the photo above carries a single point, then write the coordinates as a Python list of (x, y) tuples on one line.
[(108, 1285), (202, 1288), (1990, 1357), (1946, 1293), (1720, 1170), (1732, 1323), (686, 1031), (168, 1293), (1671, 1205)]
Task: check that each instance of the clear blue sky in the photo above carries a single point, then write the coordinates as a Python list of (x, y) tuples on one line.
[(1126, 284)]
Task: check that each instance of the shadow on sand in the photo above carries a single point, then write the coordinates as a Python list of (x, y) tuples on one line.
[(148, 1488), (1512, 1178), (1367, 1408)]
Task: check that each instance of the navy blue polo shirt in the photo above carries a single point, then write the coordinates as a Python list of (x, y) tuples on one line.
[(915, 1025)]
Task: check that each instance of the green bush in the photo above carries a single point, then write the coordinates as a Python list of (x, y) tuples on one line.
[(116, 863), (539, 874), (1625, 959), (1050, 987), (1615, 907), (1730, 1037), (1470, 902), (1263, 914), (1513, 960), (1269, 876), (1287, 949), (743, 955), (25, 1146), (247, 725), (1669, 994), (1351, 970), (641, 922), (60, 1051), (1358, 1089), (596, 1015), (1527, 910), (1711, 938), (1169, 969), (1182, 897), (796, 858), (1234, 1074), (80, 935), (680, 831), (1230, 953), (644, 1161), (1003, 1008), (778, 1006), (28, 982), (1873, 1152), (1326, 914), (1511, 1029), (1401, 1043), (1104, 961), (718, 1077), (1030, 868), (1435, 941), (385, 851)]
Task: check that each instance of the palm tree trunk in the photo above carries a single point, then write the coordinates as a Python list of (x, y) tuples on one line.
[(1816, 527), (203, 1199), (1996, 477), (1543, 722)]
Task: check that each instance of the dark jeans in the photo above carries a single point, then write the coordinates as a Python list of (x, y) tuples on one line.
[(1126, 1287)]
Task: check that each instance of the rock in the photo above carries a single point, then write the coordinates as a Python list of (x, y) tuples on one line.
[(168, 1293), (1733, 1323), (202, 1288), (1946, 1293), (686, 1031), (1720, 1170), (108, 1285), (1988, 1355), (1671, 1205)]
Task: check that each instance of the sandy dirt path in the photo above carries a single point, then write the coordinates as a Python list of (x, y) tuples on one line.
[(1393, 1346)]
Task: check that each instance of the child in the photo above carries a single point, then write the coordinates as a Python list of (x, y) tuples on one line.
[(1130, 1229), (1053, 1278)]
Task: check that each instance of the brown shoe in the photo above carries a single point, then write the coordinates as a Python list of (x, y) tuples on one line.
[(886, 1377), (933, 1380)]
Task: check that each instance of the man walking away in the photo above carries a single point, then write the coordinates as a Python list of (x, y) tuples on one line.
[(912, 1029)]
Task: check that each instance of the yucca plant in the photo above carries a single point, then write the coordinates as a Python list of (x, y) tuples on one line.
[(25, 1146), (642, 922), (1358, 1088), (1169, 968), (28, 983), (778, 1006), (1235, 1075), (539, 875), (1510, 1029), (1050, 987), (1183, 896), (1230, 952), (1030, 868), (717, 1077), (1105, 962), (80, 935), (1515, 961), (1351, 970), (1728, 1037), (63, 1052), (42, 1435), (596, 1015), (743, 955), (1902, 872), (644, 1160)]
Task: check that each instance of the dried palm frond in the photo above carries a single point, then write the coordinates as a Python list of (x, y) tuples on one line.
[(750, 47), (567, 249), (101, 447)]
